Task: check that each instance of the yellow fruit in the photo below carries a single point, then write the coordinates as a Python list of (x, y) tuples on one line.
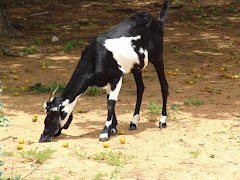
[(20, 147), (65, 144), (175, 73), (191, 82), (34, 119), (176, 70), (202, 90), (44, 67), (169, 72), (16, 94), (27, 81), (79, 110), (221, 68), (122, 141), (232, 77), (145, 70), (236, 77), (21, 141), (105, 145), (178, 91), (121, 132), (35, 115), (197, 76), (207, 87), (15, 77), (194, 70), (22, 88), (4, 77), (13, 71), (4, 87)]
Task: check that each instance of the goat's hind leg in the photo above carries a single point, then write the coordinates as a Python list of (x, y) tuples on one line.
[(111, 122), (140, 90), (159, 66)]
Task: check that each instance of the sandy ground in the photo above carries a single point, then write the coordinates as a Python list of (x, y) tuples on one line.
[(200, 142)]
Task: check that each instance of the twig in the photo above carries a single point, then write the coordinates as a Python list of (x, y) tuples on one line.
[(12, 53), (41, 13), (5, 138), (33, 170)]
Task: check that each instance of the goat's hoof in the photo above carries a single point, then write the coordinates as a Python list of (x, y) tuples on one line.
[(103, 137), (113, 132), (133, 126), (162, 125)]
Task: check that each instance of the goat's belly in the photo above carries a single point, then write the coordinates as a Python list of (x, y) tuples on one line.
[(125, 53)]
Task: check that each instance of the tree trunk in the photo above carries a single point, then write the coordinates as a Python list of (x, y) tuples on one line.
[(5, 27)]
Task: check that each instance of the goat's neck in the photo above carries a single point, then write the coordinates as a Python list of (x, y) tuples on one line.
[(79, 82)]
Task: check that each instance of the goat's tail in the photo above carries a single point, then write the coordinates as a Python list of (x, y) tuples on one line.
[(163, 14)]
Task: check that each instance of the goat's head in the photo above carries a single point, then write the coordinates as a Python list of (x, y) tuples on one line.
[(53, 108)]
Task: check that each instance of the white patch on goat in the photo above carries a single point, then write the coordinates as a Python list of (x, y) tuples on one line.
[(103, 136), (145, 52), (68, 108), (54, 109), (108, 123), (114, 94), (135, 119), (123, 51), (163, 119)]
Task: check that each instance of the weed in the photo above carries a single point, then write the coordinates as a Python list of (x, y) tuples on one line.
[(37, 41), (93, 25), (8, 153), (98, 176), (76, 25), (176, 51), (195, 102), (111, 158), (30, 50), (155, 108), (38, 156), (3, 121), (69, 45), (39, 88), (51, 27), (93, 91), (99, 111)]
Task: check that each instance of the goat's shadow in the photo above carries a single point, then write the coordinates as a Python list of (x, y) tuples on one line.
[(142, 126)]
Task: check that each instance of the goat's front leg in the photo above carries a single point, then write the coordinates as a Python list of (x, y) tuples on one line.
[(159, 66), (114, 122), (140, 90), (110, 123)]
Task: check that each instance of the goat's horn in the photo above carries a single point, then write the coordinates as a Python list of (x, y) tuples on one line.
[(53, 92)]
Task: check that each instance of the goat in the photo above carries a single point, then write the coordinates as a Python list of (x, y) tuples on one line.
[(128, 47)]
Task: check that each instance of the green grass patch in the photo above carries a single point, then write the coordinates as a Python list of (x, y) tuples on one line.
[(69, 45), (38, 156), (42, 88), (195, 102), (93, 91)]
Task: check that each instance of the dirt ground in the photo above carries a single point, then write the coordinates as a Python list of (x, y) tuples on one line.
[(200, 141)]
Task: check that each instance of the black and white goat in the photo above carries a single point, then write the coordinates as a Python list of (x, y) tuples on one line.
[(128, 47)]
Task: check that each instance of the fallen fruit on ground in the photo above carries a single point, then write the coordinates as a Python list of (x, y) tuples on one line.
[(121, 132), (176, 70), (44, 67), (169, 72), (27, 81), (191, 82), (198, 76), (207, 87), (4, 87), (175, 73), (105, 145), (20, 147), (178, 91), (221, 68), (4, 77), (21, 141), (34, 119), (236, 77), (65, 144), (15, 77), (122, 141), (13, 71), (194, 70), (145, 70), (35, 115), (79, 110), (16, 94)]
